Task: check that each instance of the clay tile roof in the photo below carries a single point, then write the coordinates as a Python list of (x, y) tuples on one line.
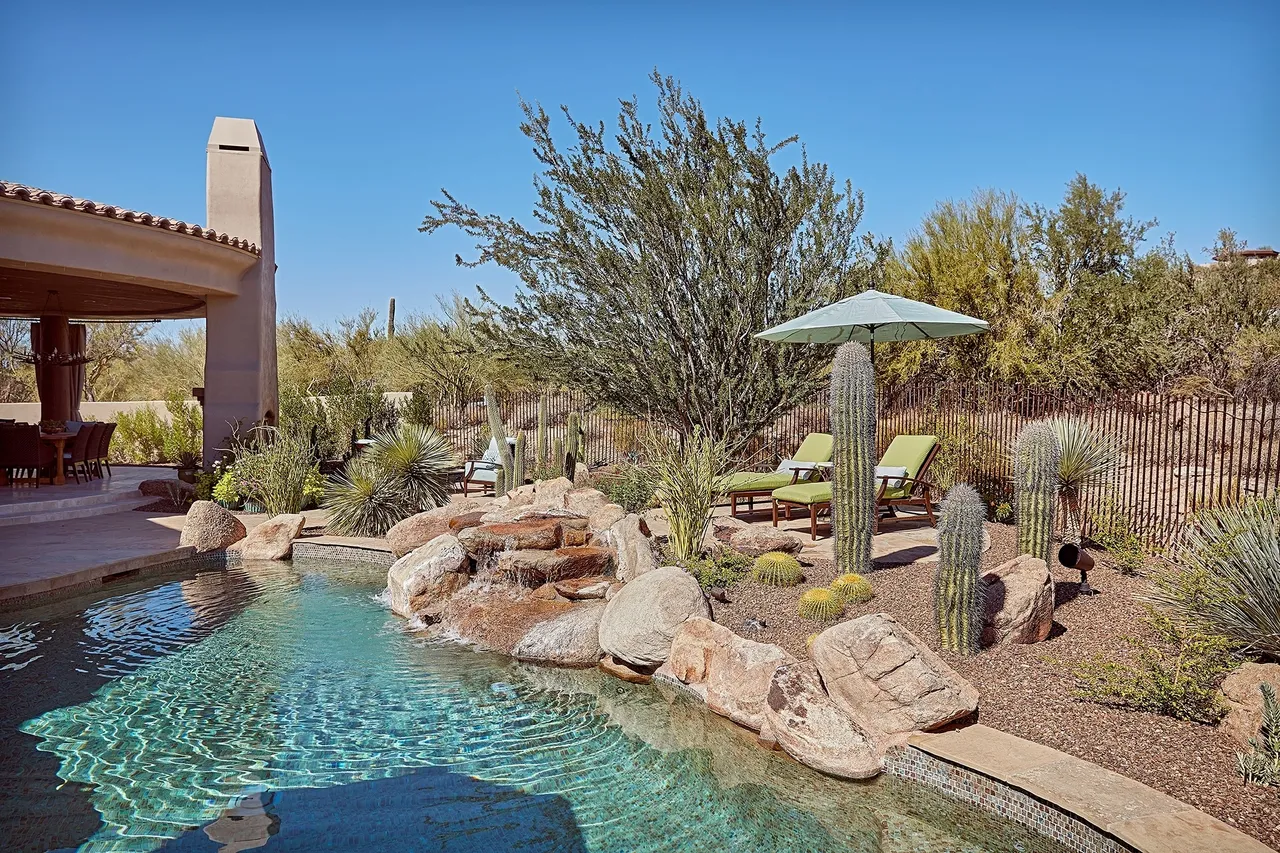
[(35, 195)]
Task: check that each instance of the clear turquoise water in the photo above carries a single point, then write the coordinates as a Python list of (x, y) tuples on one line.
[(281, 707)]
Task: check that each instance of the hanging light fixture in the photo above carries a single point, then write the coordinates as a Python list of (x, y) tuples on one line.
[(52, 305)]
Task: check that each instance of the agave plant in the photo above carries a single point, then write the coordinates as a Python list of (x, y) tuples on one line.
[(363, 502), (416, 460), (1229, 581), (1088, 459)]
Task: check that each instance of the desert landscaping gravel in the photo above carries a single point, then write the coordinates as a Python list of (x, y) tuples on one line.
[(1028, 690)]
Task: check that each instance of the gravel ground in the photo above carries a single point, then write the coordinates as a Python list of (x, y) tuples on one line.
[(1028, 690)]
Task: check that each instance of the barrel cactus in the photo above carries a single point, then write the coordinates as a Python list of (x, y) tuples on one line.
[(1035, 488), (958, 605), (852, 589), (853, 430), (499, 433), (820, 605), (777, 569)]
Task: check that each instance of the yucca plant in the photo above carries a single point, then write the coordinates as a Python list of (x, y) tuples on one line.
[(777, 569), (1228, 580), (362, 502), (416, 460), (685, 478), (1087, 459), (852, 588), (820, 605)]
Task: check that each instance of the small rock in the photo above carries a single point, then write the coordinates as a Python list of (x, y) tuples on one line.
[(754, 625), (273, 538), (161, 488), (584, 502), (1019, 602), (719, 593), (640, 621), (209, 527), (459, 523), (583, 589), (548, 592), (551, 492), (605, 516), (757, 539), (618, 669)]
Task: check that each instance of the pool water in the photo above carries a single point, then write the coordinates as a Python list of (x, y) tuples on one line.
[(282, 707)]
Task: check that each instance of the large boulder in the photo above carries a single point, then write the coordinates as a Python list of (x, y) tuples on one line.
[(731, 673), (209, 527), (1019, 602), (570, 639), (640, 621), (533, 567), (757, 539), (887, 679), (421, 581), (417, 530), (537, 533), (500, 617), (551, 492), (605, 516), (1242, 694), (631, 541), (273, 538), (584, 501), (802, 719)]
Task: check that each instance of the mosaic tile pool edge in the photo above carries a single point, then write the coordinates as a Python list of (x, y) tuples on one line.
[(997, 798)]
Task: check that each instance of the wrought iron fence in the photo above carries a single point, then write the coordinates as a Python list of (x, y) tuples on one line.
[(1180, 453)]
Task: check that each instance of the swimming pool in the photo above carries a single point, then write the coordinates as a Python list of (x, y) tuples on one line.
[(280, 707)]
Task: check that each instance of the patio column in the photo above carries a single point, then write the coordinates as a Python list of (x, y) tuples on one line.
[(240, 351), (53, 381)]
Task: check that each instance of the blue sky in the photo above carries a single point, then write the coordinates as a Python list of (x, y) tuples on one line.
[(368, 109)]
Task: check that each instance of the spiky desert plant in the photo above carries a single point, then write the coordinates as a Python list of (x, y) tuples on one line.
[(573, 434), (499, 434), (518, 463), (360, 502), (820, 605), (853, 430), (958, 605), (556, 463), (1087, 459), (852, 588), (777, 569), (416, 460), (1227, 579), (685, 478), (1035, 488), (1262, 765), (542, 447)]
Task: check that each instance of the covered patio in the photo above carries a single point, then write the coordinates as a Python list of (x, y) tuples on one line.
[(65, 259)]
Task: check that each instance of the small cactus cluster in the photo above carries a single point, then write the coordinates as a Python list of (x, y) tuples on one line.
[(777, 569), (853, 431), (505, 474), (852, 588), (958, 604), (1035, 488), (820, 605)]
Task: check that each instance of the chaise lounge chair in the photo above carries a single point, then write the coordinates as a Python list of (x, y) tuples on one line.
[(814, 451), (483, 472), (901, 472)]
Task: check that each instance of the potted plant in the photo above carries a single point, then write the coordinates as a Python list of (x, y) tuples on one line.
[(188, 466), (227, 491), (49, 426)]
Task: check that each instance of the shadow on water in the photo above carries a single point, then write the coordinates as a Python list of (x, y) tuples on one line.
[(58, 654), (429, 809)]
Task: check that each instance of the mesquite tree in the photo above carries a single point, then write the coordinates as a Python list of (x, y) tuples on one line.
[(657, 254)]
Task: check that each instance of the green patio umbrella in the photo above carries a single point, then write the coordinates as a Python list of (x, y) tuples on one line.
[(873, 316)]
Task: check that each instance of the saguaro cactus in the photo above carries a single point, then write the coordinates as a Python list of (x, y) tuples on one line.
[(499, 434), (1035, 488), (853, 430), (958, 605), (571, 444), (391, 318), (541, 442), (517, 468), (557, 452)]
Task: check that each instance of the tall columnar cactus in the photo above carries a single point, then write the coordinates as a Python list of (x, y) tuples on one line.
[(517, 470), (958, 605), (1035, 488), (853, 429), (557, 452), (571, 446), (499, 434), (541, 444)]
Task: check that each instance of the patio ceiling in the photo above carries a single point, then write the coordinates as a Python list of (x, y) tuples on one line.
[(25, 293)]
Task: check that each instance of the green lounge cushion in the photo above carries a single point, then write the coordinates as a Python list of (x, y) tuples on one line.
[(910, 452), (757, 481), (804, 493), (816, 447)]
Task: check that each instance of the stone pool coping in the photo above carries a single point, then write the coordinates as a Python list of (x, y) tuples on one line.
[(1129, 814)]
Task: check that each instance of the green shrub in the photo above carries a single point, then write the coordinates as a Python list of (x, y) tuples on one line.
[(1113, 530), (313, 488), (271, 469), (205, 481), (1177, 676), (723, 569), (183, 441), (419, 408), (852, 588), (139, 438), (1261, 766), (227, 490), (630, 488), (820, 605), (417, 460), (777, 569)]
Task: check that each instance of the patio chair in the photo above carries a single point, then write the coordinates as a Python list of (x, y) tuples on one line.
[(75, 457), (104, 448), (483, 472), (814, 451), (23, 456), (92, 459), (901, 472)]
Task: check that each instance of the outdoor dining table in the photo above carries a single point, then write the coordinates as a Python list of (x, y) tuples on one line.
[(59, 442)]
